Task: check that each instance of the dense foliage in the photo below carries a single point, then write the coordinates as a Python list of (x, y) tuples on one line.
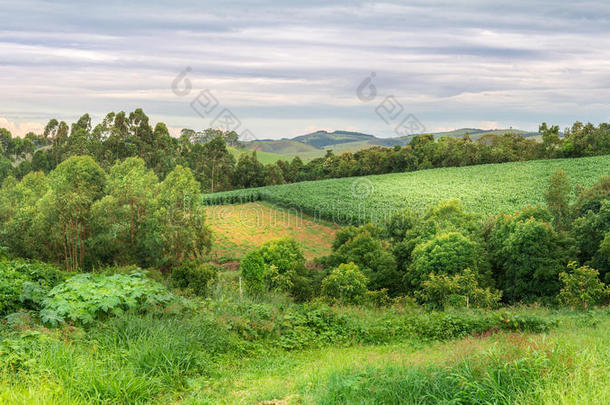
[(196, 276), (346, 284), (92, 218), (24, 283), (86, 297), (446, 256)]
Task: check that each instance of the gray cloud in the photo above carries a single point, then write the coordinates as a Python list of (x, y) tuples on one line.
[(285, 67)]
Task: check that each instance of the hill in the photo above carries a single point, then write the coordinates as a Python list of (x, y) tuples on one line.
[(262, 156), (483, 189), (315, 144)]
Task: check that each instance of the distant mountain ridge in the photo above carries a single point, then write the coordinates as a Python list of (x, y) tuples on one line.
[(315, 144)]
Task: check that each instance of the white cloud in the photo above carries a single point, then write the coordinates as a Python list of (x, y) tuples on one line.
[(21, 129)]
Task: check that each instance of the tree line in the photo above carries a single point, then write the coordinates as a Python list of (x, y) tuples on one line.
[(208, 153), (82, 217)]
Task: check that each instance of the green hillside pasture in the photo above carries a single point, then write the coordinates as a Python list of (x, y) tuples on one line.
[(262, 156), (483, 189)]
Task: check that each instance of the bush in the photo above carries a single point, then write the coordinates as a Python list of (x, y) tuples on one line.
[(581, 287), (528, 255), (87, 297), (590, 233), (253, 271), (451, 325), (363, 247), (461, 290), (448, 253), (195, 276), (346, 284), (279, 265), (24, 283)]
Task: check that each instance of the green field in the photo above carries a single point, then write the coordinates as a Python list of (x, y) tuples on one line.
[(482, 189), (262, 156)]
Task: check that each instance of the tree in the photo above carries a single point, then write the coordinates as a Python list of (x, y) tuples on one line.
[(249, 172), (183, 232), (345, 284), (550, 138), (273, 175), (527, 255), (363, 247), (121, 219), (459, 290), (590, 233), (582, 287), (63, 212), (557, 198), (447, 253)]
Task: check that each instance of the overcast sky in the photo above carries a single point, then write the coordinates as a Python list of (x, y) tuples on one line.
[(287, 68)]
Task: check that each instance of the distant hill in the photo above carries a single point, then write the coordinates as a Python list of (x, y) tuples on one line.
[(315, 144)]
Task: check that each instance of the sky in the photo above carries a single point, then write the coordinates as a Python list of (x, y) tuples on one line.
[(285, 68)]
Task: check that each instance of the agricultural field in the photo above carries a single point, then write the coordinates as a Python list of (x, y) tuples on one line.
[(239, 228), (482, 189)]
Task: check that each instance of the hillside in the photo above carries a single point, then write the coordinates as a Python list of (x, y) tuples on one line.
[(239, 228), (315, 144), (262, 156), (483, 189)]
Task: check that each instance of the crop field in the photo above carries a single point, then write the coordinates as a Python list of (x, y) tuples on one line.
[(239, 228), (483, 189)]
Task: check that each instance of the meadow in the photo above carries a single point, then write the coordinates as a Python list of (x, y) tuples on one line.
[(233, 349), (482, 189), (239, 228)]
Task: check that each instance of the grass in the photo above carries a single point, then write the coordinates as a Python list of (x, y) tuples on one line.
[(262, 156), (566, 366), (483, 189), (242, 227), (200, 358)]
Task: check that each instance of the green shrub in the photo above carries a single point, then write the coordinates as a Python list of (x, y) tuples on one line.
[(345, 284), (528, 255), (363, 246), (196, 276), (447, 253), (581, 287), (457, 324), (24, 283), (87, 297), (279, 265), (254, 272), (461, 290)]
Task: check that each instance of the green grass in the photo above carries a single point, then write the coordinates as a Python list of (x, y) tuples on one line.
[(566, 366), (262, 156), (232, 351), (483, 189)]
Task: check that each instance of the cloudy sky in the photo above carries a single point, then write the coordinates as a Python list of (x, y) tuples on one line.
[(286, 68)]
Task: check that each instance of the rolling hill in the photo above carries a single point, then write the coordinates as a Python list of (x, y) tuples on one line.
[(315, 144)]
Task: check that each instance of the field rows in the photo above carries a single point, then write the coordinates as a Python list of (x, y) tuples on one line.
[(484, 189)]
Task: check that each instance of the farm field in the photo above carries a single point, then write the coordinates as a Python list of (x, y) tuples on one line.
[(482, 189), (240, 228)]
